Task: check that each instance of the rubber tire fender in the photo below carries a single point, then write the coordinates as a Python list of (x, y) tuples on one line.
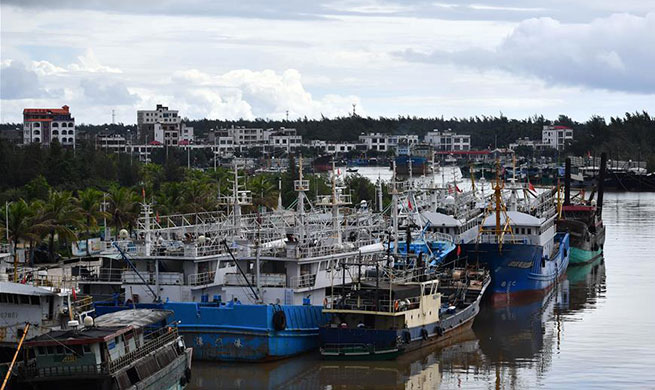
[(407, 338), (424, 333), (279, 320)]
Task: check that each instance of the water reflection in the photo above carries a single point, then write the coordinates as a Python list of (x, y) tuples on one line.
[(503, 344)]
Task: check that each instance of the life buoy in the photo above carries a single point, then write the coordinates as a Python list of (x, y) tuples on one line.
[(439, 330), (396, 304), (279, 320)]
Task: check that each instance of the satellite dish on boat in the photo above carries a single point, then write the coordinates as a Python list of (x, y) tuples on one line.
[(88, 321), (449, 199), (123, 234), (201, 239)]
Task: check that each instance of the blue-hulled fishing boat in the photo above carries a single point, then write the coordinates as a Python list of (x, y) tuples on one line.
[(523, 251)]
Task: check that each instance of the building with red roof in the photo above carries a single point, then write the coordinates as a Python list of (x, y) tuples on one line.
[(44, 125)]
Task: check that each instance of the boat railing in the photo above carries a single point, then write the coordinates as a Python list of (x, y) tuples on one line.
[(102, 275), (382, 305), (5, 248), (201, 278), (156, 340), (168, 278), (83, 304), (265, 280), (303, 281), (31, 370)]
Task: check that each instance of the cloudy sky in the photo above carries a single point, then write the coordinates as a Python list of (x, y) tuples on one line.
[(249, 59)]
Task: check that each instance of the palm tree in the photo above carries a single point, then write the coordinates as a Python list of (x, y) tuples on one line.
[(169, 198), (89, 202), (195, 196), (263, 191), (20, 228), (123, 206), (62, 216)]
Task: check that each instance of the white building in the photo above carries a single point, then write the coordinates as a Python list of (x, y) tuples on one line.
[(163, 126), (43, 125), (448, 140), (385, 142), (284, 139), (111, 142), (557, 137)]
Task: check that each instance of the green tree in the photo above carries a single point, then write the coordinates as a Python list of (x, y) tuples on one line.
[(62, 216), (89, 204), (123, 207), (21, 228)]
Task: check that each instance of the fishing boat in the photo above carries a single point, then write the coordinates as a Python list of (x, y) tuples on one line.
[(38, 299), (582, 218), (252, 287), (133, 349), (522, 249), (401, 308), (413, 159)]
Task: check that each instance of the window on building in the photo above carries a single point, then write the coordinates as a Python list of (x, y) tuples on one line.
[(55, 124), (36, 124)]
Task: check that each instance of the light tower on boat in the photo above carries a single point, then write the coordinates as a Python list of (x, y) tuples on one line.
[(301, 186)]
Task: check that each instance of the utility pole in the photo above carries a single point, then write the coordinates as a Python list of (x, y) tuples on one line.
[(354, 106), (113, 117)]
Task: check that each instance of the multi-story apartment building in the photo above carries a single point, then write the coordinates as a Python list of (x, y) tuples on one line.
[(448, 140), (111, 142), (284, 139), (557, 137), (44, 125), (163, 126), (385, 142), (237, 138)]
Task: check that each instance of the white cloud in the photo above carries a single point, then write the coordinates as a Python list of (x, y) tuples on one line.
[(19, 82), (614, 53), (257, 94), (89, 63)]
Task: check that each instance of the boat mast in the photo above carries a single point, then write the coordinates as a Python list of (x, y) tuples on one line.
[(394, 209), (301, 186), (335, 205)]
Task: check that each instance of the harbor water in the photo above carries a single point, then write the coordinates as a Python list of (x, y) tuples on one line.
[(594, 330)]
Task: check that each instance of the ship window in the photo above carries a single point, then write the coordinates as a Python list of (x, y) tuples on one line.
[(86, 348), (77, 350), (34, 300), (60, 350), (529, 230), (322, 265), (25, 299), (3, 298), (41, 350), (51, 350), (222, 264)]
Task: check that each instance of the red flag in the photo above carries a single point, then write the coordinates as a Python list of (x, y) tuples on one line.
[(530, 186), (409, 204), (457, 188), (143, 192), (157, 216), (74, 295), (459, 250)]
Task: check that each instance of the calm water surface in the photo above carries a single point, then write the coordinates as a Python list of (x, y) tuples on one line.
[(595, 330)]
